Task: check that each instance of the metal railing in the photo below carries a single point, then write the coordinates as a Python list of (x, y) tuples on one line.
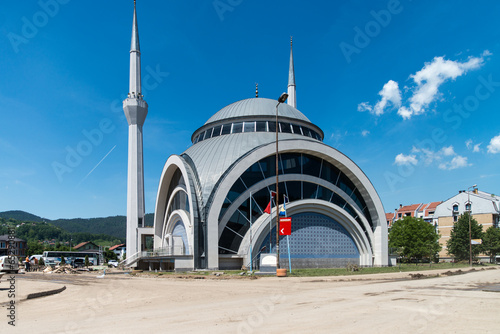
[(157, 252)]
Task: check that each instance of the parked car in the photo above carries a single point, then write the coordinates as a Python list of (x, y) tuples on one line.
[(9, 264), (78, 263), (112, 263), (35, 259)]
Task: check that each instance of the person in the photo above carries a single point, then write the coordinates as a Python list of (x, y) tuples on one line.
[(27, 265)]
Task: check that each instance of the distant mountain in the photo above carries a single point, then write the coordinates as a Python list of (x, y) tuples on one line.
[(21, 215), (115, 226)]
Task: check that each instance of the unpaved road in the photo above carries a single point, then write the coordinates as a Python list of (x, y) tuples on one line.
[(383, 303)]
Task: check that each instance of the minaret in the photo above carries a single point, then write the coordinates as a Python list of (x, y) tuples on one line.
[(136, 110), (292, 98)]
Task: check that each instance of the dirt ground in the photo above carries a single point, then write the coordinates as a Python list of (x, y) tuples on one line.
[(381, 303)]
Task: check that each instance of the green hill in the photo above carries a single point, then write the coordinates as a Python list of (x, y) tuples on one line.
[(51, 234), (22, 216), (114, 226)]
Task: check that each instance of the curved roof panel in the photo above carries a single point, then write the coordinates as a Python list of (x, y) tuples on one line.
[(214, 156)]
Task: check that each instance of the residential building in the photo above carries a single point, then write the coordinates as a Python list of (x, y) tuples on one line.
[(19, 246), (484, 208), (85, 246), (419, 210), (119, 250)]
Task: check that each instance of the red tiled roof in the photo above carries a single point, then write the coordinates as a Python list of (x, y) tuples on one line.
[(411, 207), (116, 246), (431, 207), (389, 216), (81, 244)]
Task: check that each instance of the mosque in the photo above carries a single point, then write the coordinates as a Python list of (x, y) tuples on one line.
[(213, 201)]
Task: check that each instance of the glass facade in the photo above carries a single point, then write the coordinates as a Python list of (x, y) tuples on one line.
[(180, 231), (181, 199), (289, 164), (256, 126)]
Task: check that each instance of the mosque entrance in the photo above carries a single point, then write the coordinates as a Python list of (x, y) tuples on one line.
[(316, 241)]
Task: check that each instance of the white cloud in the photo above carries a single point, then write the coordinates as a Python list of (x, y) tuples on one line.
[(457, 162), (403, 160), (391, 97), (365, 133), (447, 151), (364, 106), (425, 88), (468, 143), (446, 158), (433, 75), (487, 53), (404, 112), (428, 155), (494, 146)]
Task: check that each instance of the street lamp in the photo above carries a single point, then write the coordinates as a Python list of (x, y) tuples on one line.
[(470, 230), (251, 255), (281, 99)]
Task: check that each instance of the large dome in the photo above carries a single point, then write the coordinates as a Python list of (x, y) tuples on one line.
[(256, 107)]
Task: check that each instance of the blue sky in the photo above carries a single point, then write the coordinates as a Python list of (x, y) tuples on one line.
[(409, 90)]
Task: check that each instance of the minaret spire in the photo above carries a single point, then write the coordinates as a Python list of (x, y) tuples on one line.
[(135, 60), (136, 110), (135, 33), (292, 98)]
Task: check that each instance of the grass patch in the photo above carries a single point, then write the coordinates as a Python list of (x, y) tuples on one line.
[(375, 270), (194, 273), (405, 267)]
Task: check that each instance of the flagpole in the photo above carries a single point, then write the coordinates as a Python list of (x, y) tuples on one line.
[(283, 213), (251, 255), (270, 222), (289, 259)]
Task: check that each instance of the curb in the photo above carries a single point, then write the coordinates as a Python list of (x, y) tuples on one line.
[(45, 293)]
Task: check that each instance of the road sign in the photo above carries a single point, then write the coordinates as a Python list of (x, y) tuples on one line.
[(286, 226)]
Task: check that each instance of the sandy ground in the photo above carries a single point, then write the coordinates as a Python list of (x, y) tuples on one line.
[(382, 303)]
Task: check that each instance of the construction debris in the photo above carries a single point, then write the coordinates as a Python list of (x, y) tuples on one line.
[(60, 269), (48, 269)]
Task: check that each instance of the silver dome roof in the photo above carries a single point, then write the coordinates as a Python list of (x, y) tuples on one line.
[(256, 107)]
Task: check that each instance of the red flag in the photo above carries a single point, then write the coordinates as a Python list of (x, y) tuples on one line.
[(268, 208)]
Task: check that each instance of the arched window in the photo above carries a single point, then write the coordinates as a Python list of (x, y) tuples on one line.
[(290, 163)]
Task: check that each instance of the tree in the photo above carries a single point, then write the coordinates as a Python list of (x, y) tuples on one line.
[(35, 247), (87, 263), (458, 244), (491, 242), (109, 255), (63, 261), (415, 238)]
